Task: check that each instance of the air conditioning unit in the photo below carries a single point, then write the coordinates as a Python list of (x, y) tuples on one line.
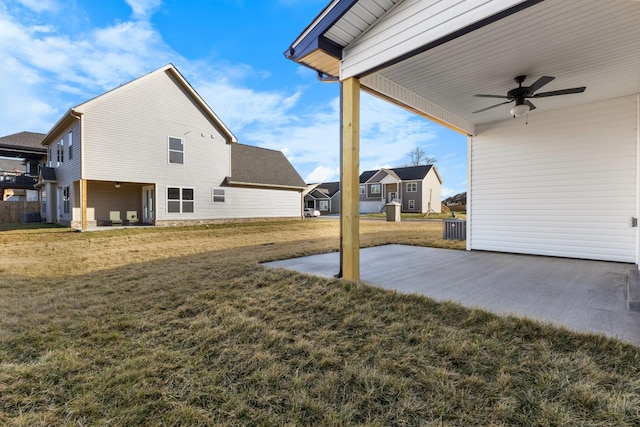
[(454, 229), (30, 217)]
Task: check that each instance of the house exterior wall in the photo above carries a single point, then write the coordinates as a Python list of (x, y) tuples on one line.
[(335, 203), (431, 190), (239, 203), (416, 196), (565, 184), (67, 172)]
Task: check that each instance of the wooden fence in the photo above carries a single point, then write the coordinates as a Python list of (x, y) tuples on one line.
[(11, 212)]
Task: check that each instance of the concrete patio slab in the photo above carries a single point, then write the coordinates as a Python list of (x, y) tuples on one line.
[(581, 295)]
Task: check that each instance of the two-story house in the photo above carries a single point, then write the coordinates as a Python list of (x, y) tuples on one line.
[(152, 151), (324, 197), (416, 188)]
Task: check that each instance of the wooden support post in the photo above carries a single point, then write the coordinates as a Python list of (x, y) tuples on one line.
[(350, 204), (83, 203)]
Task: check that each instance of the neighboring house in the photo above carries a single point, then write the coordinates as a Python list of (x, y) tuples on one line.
[(152, 151), (563, 179), (21, 155), (324, 197), (458, 200), (416, 188)]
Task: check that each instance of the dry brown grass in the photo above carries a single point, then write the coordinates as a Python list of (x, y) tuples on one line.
[(181, 326)]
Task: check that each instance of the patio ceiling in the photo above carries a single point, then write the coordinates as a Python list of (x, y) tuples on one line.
[(592, 43)]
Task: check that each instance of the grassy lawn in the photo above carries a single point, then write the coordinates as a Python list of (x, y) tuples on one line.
[(182, 326)]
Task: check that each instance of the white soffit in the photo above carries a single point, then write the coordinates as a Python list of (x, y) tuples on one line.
[(358, 20), (592, 43)]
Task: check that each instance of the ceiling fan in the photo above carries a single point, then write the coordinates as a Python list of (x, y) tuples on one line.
[(521, 93)]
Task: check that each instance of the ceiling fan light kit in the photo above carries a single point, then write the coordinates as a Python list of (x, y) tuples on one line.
[(519, 110), (521, 94)]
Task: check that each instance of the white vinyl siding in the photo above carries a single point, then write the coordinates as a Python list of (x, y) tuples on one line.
[(562, 185), (127, 132), (411, 24)]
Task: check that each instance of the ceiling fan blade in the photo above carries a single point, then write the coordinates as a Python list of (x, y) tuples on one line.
[(560, 92), (493, 106), (540, 82), (493, 96), (530, 104)]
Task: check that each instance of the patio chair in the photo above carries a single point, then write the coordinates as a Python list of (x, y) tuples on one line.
[(114, 217)]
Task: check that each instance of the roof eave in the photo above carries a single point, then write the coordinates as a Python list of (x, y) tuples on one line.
[(231, 183), (64, 122), (313, 37)]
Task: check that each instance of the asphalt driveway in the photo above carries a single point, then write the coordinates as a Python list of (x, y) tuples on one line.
[(581, 295)]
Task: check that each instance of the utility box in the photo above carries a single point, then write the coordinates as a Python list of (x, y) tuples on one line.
[(393, 211), (454, 229), (30, 217)]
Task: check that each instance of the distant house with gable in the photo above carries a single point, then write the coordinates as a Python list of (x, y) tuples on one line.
[(416, 188), (323, 197)]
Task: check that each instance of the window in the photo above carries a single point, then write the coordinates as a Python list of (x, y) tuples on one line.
[(362, 189), (180, 200), (375, 188), (176, 150), (60, 151), (412, 204), (218, 195), (70, 145), (324, 205), (412, 187), (66, 199)]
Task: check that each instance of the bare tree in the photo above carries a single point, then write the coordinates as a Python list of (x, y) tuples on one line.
[(419, 157)]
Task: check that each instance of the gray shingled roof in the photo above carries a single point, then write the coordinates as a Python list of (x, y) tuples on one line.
[(408, 173), (329, 188), (262, 167), (364, 176), (24, 139)]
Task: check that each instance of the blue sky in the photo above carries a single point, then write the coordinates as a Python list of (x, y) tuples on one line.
[(59, 53)]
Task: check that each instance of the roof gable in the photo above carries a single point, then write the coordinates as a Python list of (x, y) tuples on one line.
[(76, 112), (329, 188), (408, 173)]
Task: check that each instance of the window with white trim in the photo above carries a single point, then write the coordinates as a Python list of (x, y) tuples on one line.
[(60, 151), (180, 200), (324, 205), (176, 150), (375, 188), (412, 204), (412, 187), (363, 189), (217, 195), (70, 142)]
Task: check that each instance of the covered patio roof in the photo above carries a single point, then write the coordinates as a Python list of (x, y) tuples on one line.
[(433, 57)]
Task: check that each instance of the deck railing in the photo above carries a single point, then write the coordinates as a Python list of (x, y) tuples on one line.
[(17, 180)]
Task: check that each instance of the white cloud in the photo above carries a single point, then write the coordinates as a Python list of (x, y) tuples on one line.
[(446, 192), (143, 8), (323, 174), (40, 5), (39, 58)]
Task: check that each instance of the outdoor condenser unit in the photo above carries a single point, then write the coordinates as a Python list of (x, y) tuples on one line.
[(454, 229)]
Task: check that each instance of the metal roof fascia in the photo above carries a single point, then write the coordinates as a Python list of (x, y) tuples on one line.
[(315, 38)]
